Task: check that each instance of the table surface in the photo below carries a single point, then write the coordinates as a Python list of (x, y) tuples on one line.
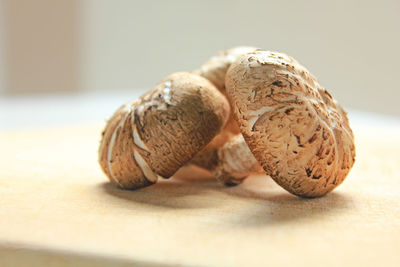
[(57, 208)]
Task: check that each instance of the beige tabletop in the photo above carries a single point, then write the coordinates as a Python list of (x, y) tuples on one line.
[(57, 208)]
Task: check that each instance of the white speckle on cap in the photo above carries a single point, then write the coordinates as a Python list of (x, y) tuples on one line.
[(147, 172), (167, 90), (136, 138), (255, 115)]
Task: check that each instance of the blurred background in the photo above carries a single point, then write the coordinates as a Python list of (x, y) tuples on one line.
[(98, 53)]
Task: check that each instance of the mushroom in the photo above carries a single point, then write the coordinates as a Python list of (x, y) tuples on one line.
[(296, 130), (161, 131)]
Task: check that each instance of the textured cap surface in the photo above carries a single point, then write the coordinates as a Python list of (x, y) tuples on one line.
[(162, 130), (295, 129)]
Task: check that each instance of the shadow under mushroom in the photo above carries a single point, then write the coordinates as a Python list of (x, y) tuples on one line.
[(262, 202)]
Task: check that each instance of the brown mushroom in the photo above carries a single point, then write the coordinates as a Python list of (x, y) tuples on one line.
[(294, 127), (162, 130)]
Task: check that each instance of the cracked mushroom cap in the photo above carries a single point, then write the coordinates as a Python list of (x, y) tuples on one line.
[(294, 127), (162, 130)]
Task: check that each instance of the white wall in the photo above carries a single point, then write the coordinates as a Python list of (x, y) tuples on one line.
[(351, 46), (2, 65), (41, 45)]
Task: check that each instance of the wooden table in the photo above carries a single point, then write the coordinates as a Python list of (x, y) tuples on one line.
[(57, 208)]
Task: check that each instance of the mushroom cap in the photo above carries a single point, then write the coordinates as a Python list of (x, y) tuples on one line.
[(162, 130), (296, 130)]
